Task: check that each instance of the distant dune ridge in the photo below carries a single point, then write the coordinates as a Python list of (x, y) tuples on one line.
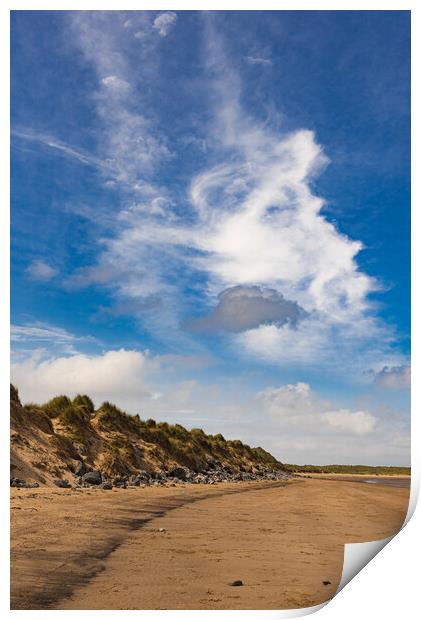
[(69, 442)]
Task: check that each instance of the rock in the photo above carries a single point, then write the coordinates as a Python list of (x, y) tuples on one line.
[(237, 582), (32, 485), (326, 583), (63, 484), (178, 472), (162, 529), (161, 475), (92, 477), (107, 486)]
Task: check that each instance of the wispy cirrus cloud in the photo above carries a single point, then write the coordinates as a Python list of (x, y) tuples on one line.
[(66, 150), (256, 222), (130, 143), (251, 221), (258, 60), (37, 332)]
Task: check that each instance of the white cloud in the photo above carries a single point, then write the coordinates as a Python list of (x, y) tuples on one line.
[(69, 151), (254, 220), (41, 331), (258, 60), (129, 143), (115, 375), (352, 349), (291, 421), (357, 422), (40, 270), (165, 22), (115, 83), (296, 405)]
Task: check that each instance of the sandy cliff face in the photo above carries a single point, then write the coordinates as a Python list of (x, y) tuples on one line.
[(64, 439), (37, 452)]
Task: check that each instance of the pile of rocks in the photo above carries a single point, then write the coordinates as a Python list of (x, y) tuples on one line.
[(23, 484), (85, 476), (180, 475)]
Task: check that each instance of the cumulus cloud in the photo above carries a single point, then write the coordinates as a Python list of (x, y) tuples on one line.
[(320, 342), (40, 270), (296, 403), (357, 422), (240, 308), (119, 375), (291, 421), (396, 377), (165, 22)]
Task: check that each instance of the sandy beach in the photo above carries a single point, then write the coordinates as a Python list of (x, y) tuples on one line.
[(182, 547)]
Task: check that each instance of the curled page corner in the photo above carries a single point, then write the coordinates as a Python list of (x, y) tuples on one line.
[(413, 496), (358, 555)]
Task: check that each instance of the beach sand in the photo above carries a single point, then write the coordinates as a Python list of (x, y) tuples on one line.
[(97, 549)]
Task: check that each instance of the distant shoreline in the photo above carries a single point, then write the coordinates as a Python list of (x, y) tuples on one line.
[(349, 470), (344, 475)]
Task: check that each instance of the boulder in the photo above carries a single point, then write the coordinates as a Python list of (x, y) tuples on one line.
[(92, 477), (63, 484), (178, 472)]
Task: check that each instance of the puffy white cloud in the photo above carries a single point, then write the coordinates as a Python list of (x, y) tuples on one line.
[(296, 405), (40, 270), (165, 22), (115, 375), (353, 349), (356, 422), (291, 421), (395, 377)]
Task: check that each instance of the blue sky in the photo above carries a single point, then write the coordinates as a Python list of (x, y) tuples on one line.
[(210, 221)]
